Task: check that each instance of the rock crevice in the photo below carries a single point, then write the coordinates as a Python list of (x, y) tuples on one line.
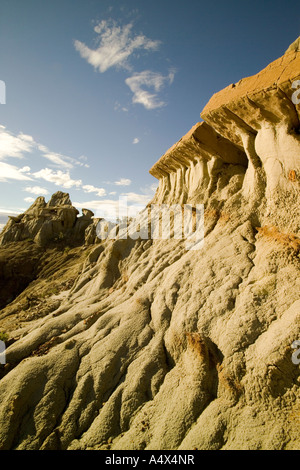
[(153, 345)]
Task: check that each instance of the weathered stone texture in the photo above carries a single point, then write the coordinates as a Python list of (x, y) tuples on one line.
[(154, 346)]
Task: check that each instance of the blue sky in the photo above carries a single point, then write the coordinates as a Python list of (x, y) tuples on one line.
[(98, 90)]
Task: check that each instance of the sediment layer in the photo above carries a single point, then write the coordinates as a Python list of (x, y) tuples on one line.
[(153, 346)]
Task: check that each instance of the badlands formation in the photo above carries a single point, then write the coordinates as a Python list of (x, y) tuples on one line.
[(143, 344)]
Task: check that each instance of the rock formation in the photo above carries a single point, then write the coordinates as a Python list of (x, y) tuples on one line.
[(188, 171), (153, 346), (46, 222), (258, 113), (34, 239)]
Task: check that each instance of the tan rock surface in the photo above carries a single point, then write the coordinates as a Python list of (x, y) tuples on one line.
[(271, 86), (158, 347), (201, 141), (47, 222), (260, 113), (189, 170)]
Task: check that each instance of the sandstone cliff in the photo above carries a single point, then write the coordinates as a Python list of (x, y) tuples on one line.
[(154, 346)]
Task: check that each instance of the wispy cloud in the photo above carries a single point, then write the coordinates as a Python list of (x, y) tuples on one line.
[(59, 178), (11, 172), (136, 198), (151, 80), (115, 45), (107, 208), (128, 203), (19, 145), (56, 158), (61, 160), (119, 107), (81, 161), (123, 182), (14, 146), (29, 199), (89, 188), (36, 190)]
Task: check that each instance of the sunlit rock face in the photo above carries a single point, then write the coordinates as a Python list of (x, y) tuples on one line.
[(261, 113), (251, 133), (152, 345), (46, 222), (189, 171)]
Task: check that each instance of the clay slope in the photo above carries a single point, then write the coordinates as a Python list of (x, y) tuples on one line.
[(156, 346)]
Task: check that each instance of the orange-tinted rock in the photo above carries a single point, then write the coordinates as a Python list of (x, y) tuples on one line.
[(268, 95), (202, 141)]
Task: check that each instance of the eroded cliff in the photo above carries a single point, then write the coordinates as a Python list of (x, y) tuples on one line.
[(158, 347)]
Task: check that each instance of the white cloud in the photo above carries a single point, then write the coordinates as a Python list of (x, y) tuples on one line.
[(26, 137), (6, 212), (116, 45), (36, 190), (136, 140), (140, 199), (123, 182), (110, 209), (29, 199), (119, 107), (89, 188), (59, 178), (95, 204), (25, 169), (12, 146), (16, 146), (80, 161), (58, 159), (106, 208), (151, 80), (8, 172), (127, 204)]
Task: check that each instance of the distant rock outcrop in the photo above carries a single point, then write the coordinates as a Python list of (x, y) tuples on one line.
[(26, 238), (150, 345), (47, 222)]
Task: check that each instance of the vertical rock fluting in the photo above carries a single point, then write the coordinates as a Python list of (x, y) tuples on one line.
[(160, 347), (262, 114), (188, 171)]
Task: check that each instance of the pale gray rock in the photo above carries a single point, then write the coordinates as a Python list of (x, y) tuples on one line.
[(46, 222), (157, 346)]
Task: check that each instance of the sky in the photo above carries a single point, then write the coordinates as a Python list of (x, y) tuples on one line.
[(94, 92)]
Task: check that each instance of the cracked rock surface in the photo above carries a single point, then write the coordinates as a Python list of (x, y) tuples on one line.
[(153, 346)]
